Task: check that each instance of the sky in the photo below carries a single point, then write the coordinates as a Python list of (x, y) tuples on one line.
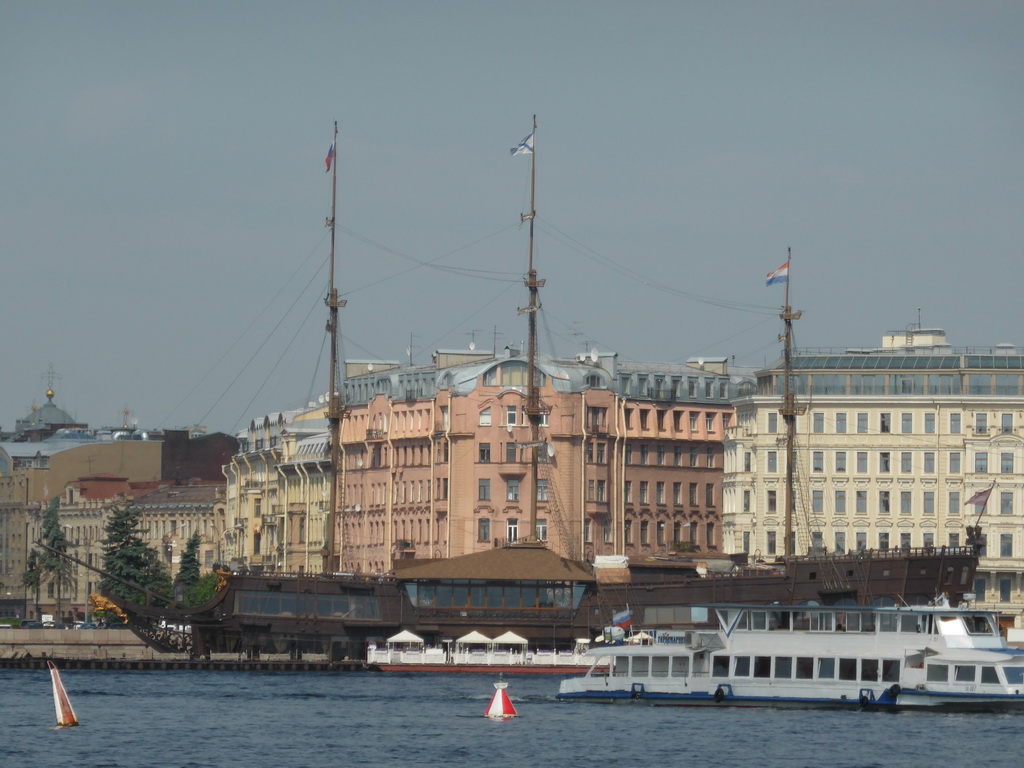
[(163, 193)]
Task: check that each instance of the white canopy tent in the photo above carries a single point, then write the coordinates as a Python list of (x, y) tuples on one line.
[(509, 638)]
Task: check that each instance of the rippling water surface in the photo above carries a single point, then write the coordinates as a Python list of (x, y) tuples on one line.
[(228, 719)]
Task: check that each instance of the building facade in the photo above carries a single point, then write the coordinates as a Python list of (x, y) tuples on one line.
[(436, 462), (894, 442)]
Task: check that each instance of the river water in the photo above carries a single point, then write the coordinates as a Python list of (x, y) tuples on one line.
[(184, 719)]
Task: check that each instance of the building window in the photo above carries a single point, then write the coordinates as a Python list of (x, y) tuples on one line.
[(862, 423), (709, 423), (906, 462), (677, 455), (840, 502), (1006, 463), (953, 507), (601, 453), (512, 490), (841, 423), (660, 450), (883, 502), (659, 492), (677, 493), (510, 415), (929, 423), (954, 463), (601, 484), (693, 494), (929, 539), (981, 462), (710, 457), (773, 423), (660, 533), (512, 530), (1006, 423), (709, 535), (862, 462), (627, 491), (483, 529), (485, 489), (746, 501), (588, 531), (818, 461), (954, 539), (905, 540), (485, 453), (773, 461), (542, 490), (693, 457), (981, 423), (693, 421), (905, 503), (709, 495), (485, 417), (907, 423), (771, 546), (862, 502), (862, 541), (840, 461), (1006, 545), (628, 532), (929, 462), (928, 503), (954, 423), (1004, 595), (644, 532), (884, 462), (643, 455), (772, 501), (883, 540), (542, 529), (1006, 502), (840, 542), (885, 423), (643, 491), (817, 501), (747, 461), (818, 420)]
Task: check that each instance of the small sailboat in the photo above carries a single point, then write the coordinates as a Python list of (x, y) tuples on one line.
[(65, 714)]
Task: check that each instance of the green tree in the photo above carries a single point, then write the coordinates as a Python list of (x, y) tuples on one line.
[(188, 568), (128, 557), (55, 569), (203, 590), (32, 576)]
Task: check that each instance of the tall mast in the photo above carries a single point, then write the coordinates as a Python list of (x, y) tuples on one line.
[(334, 405), (533, 407), (789, 410)]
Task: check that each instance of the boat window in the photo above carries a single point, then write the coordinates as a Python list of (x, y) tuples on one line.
[(659, 666), (804, 668), (719, 666), (867, 622), (888, 622), (979, 625), (640, 666), (890, 670), (758, 620), (847, 622), (742, 666), (869, 670), (620, 666), (821, 621), (847, 669), (964, 673), (783, 667), (951, 626), (681, 666), (938, 673), (801, 621), (762, 666), (1014, 675), (989, 675), (910, 624), (827, 669), (779, 620)]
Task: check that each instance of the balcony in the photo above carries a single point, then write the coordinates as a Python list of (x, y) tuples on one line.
[(376, 434)]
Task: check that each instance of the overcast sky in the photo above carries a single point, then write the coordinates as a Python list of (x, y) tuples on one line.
[(163, 194)]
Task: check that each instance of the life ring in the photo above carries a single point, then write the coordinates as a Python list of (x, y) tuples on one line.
[(719, 695), (894, 691)]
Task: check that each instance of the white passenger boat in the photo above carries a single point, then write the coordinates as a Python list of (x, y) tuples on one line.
[(919, 657)]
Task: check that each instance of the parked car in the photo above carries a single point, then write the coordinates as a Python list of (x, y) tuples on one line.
[(30, 624), (86, 625)]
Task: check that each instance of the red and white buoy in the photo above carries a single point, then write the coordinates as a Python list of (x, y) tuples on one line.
[(501, 704)]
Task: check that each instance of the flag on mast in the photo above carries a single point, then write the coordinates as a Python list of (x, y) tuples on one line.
[(980, 499), (524, 147), (780, 275), (330, 157)]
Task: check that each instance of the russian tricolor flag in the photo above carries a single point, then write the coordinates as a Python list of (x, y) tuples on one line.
[(780, 275), (330, 157), (623, 619)]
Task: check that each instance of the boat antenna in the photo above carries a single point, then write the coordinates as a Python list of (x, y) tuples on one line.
[(789, 410), (534, 411), (335, 409)]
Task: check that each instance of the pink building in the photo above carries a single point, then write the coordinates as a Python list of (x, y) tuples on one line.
[(436, 459)]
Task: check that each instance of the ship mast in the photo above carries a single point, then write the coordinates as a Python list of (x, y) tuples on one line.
[(789, 410), (534, 411), (335, 408)]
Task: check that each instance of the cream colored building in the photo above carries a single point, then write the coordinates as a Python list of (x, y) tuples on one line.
[(894, 442)]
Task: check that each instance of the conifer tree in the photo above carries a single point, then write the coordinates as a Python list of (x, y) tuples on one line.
[(188, 568), (128, 557), (52, 567)]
